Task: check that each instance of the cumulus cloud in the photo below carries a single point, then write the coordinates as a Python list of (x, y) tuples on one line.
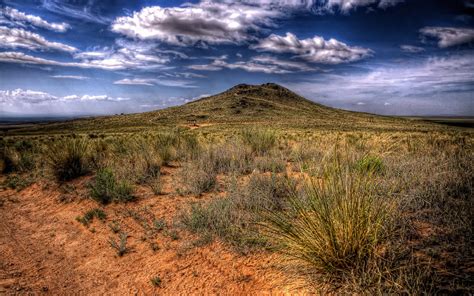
[(436, 85), (448, 36), (264, 64), (19, 38), (21, 18), (208, 22), (31, 102), (411, 48), (316, 49), (19, 96)]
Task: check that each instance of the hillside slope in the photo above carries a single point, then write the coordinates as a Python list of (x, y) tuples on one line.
[(242, 104)]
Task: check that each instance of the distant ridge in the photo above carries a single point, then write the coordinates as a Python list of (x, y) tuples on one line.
[(268, 104)]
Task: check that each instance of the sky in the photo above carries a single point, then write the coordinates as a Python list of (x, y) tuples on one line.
[(91, 57)]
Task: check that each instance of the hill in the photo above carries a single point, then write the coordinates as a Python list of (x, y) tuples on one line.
[(241, 104)]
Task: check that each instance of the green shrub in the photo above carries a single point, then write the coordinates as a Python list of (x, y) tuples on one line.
[(333, 227), (120, 245), (260, 140), (68, 158), (106, 188), (370, 164), (90, 215)]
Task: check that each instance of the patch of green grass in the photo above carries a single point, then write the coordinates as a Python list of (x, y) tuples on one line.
[(106, 188), (17, 182), (260, 140), (370, 164)]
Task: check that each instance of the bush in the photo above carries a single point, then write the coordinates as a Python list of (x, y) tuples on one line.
[(68, 158), (106, 188), (334, 227), (261, 141)]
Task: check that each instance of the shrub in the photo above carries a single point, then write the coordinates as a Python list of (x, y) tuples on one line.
[(370, 164), (199, 177), (89, 216), (68, 158), (120, 245), (106, 188), (156, 281), (261, 141), (333, 227)]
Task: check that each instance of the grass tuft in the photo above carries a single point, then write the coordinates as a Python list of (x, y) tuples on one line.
[(106, 188), (68, 158)]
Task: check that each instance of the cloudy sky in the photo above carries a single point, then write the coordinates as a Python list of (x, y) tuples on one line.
[(84, 57)]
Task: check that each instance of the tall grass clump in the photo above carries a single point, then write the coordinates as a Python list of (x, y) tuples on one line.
[(334, 227), (370, 164), (260, 140), (106, 188), (68, 159)]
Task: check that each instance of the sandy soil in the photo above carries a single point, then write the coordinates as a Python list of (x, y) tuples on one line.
[(44, 250)]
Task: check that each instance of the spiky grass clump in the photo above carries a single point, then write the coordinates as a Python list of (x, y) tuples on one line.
[(68, 159), (334, 227), (370, 164), (261, 141), (106, 188)]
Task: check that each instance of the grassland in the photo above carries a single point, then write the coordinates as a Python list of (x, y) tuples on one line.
[(225, 193)]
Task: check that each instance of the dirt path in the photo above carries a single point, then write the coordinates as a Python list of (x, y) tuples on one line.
[(44, 250)]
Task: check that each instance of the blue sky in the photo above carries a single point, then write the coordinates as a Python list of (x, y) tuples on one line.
[(89, 57)]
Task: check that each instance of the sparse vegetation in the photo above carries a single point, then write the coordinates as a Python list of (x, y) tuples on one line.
[(356, 204), (89, 216)]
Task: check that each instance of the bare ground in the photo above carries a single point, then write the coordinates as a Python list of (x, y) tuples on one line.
[(44, 250)]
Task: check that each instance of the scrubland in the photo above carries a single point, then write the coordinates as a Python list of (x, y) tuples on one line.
[(278, 210)]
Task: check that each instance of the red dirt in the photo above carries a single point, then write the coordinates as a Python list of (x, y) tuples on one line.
[(44, 250)]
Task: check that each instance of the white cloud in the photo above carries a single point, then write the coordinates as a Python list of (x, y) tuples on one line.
[(316, 49), (208, 22), (30, 102), (111, 61), (152, 82), (20, 96), (433, 86), (448, 36), (19, 38), (81, 10), (411, 48), (347, 5), (20, 18), (264, 64), (76, 77)]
